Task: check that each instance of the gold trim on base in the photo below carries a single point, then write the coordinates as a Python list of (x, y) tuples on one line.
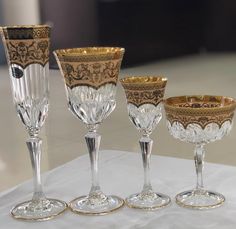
[(98, 213), (198, 207), (38, 219)]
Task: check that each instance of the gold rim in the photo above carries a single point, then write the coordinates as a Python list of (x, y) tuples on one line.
[(25, 32), (90, 214), (200, 109), (39, 219), (222, 102), (89, 54), (25, 26), (143, 82)]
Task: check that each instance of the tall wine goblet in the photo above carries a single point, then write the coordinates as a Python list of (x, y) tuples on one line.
[(91, 76), (199, 120), (144, 96), (27, 51)]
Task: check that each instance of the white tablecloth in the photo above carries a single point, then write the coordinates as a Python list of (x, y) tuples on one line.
[(121, 174)]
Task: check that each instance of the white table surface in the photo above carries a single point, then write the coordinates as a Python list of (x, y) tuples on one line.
[(121, 174)]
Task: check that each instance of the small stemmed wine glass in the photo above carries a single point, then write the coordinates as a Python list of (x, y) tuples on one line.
[(27, 51), (144, 96), (91, 76), (199, 120)]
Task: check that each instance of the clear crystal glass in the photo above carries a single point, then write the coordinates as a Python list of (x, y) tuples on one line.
[(91, 105), (30, 91), (90, 80), (144, 96), (30, 96), (199, 120)]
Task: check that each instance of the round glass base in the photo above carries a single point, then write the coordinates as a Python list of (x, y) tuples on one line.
[(39, 211), (83, 205), (148, 201), (199, 199)]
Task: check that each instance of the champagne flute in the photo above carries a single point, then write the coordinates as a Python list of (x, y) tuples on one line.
[(144, 96), (27, 51)]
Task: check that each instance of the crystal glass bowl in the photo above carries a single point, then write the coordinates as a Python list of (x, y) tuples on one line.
[(199, 120)]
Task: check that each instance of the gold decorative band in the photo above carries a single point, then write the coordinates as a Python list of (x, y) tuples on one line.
[(28, 52), (26, 32), (141, 90), (27, 45), (92, 74), (93, 67), (201, 110)]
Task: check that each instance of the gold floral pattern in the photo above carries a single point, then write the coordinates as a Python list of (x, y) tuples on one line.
[(28, 52), (94, 74), (93, 67), (144, 90), (27, 45), (201, 110)]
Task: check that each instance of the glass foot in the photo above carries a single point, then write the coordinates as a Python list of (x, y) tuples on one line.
[(89, 206), (199, 199), (39, 211), (148, 201)]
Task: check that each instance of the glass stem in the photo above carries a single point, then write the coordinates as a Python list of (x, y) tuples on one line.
[(146, 149), (199, 154), (93, 142), (34, 147)]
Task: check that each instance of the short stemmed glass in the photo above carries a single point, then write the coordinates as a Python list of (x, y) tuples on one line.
[(91, 76), (27, 51), (144, 96), (199, 120)]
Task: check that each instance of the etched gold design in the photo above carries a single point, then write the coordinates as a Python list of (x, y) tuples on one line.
[(28, 52), (94, 74), (26, 45), (94, 67), (26, 32), (201, 110), (141, 90)]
